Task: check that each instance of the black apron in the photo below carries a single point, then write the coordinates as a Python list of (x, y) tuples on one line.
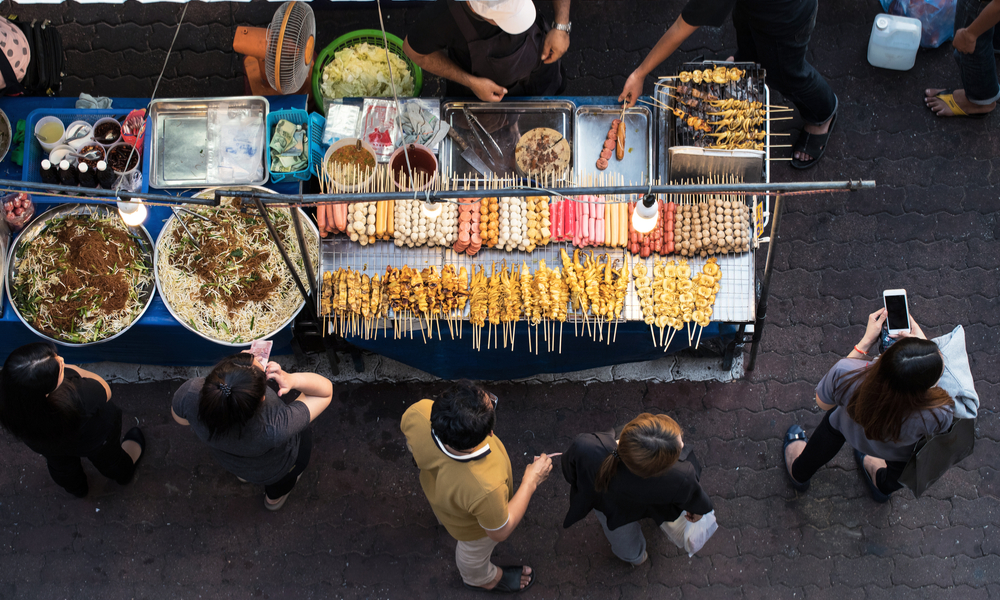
[(519, 69)]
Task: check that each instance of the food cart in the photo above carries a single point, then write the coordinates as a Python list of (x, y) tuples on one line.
[(533, 265)]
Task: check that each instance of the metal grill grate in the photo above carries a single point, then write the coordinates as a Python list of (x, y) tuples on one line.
[(734, 303), (749, 87)]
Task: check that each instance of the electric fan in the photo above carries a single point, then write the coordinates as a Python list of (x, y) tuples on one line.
[(283, 51)]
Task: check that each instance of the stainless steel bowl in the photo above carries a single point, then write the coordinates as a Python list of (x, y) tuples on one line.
[(35, 229), (6, 132), (208, 193)]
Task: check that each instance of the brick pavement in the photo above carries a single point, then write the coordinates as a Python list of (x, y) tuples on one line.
[(357, 525)]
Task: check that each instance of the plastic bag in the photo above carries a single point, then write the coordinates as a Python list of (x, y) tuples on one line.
[(937, 18), (688, 536), (17, 210)]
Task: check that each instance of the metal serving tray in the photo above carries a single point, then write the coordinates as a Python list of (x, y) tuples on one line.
[(36, 227), (307, 223), (592, 124), (506, 122), (186, 145)]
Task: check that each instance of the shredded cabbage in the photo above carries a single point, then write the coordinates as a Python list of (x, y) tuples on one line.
[(362, 70)]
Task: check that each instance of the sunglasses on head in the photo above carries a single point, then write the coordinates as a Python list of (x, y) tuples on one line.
[(493, 399)]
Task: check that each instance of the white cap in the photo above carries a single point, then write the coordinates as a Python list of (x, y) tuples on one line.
[(513, 16)]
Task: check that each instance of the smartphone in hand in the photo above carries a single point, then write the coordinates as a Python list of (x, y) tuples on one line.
[(897, 311), (261, 350)]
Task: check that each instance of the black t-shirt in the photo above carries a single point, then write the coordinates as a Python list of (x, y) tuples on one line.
[(629, 497), (436, 29), (776, 17), (97, 417)]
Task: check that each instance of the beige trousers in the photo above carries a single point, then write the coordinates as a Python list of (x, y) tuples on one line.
[(473, 560)]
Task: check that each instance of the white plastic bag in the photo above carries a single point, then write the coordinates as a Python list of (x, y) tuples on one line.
[(688, 536)]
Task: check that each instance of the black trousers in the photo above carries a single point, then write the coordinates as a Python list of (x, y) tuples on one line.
[(783, 56), (108, 458), (285, 485), (825, 443)]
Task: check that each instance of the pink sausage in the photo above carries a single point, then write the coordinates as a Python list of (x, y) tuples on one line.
[(610, 144), (606, 154), (570, 213), (556, 218)]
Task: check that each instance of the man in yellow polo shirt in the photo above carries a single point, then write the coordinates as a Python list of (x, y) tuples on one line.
[(466, 474)]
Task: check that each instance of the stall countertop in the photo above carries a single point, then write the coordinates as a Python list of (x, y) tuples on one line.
[(157, 338)]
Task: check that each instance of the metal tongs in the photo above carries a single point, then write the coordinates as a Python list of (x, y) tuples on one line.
[(177, 210), (473, 124)]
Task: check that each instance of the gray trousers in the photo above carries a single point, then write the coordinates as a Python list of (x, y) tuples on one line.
[(627, 542)]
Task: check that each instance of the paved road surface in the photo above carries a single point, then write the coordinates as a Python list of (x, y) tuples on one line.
[(357, 525)]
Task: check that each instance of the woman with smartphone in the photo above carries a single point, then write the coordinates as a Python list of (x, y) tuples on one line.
[(250, 430), (880, 406), (64, 413), (640, 473)]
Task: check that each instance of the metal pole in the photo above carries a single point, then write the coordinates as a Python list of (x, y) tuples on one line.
[(440, 196), (765, 283), (83, 193), (446, 195)]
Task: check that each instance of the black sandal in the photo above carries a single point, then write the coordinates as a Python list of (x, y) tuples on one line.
[(813, 144), (510, 581), (877, 494), (794, 434)]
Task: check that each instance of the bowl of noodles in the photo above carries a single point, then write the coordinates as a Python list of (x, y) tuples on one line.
[(78, 276), (220, 274)]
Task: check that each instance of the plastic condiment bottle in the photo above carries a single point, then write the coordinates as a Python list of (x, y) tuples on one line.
[(894, 42), (87, 178), (49, 172), (67, 176), (105, 176)]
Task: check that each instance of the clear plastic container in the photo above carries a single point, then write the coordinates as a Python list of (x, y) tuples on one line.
[(50, 132), (894, 42)]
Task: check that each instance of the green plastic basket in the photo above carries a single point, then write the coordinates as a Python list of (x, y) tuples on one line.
[(372, 36)]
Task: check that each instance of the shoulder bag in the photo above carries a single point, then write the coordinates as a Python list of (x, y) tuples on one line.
[(935, 454)]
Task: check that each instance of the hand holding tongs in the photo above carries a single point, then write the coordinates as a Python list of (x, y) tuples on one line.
[(473, 124)]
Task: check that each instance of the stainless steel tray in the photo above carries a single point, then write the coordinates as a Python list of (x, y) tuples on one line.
[(308, 226), (506, 122), (140, 234), (4, 244), (592, 124), (188, 150)]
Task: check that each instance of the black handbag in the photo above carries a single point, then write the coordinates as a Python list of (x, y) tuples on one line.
[(44, 76), (935, 454)]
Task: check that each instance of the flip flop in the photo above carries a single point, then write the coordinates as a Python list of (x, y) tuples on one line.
[(948, 97), (794, 434), (510, 581), (877, 494), (135, 435), (813, 144)]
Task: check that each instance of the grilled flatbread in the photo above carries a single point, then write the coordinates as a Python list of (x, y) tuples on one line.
[(543, 151)]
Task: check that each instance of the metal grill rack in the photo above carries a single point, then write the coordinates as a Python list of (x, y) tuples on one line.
[(734, 303), (749, 87)]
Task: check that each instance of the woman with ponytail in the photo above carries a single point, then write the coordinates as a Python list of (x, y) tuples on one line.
[(882, 408), (644, 472), (250, 430), (64, 412)]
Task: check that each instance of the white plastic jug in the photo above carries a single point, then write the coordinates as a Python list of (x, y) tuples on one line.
[(894, 42)]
